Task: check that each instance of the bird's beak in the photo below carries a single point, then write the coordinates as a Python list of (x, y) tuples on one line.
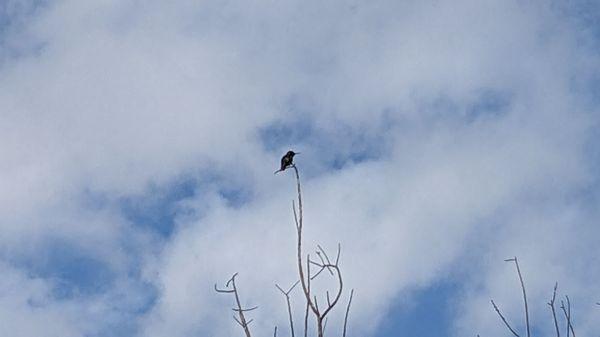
[(296, 153)]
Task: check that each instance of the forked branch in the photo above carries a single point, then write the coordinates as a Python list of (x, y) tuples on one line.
[(230, 288), (551, 304), (289, 305), (325, 263), (524, 300), (568, 317)]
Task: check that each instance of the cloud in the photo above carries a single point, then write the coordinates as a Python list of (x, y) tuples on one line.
[(437, 139)]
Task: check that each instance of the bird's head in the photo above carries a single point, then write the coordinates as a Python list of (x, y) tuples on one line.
[(292, 153)]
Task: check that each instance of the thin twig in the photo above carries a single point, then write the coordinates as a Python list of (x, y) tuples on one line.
[(244, 310), (347, 311), (504, 319), (570, 316), (567, 312), (242, 318), (551, 304), (326, 258), (524, 294), (289, 306), (306, 320), (562, 306), (298, 218)]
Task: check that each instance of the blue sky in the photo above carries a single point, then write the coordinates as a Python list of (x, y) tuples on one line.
[(437, 139)]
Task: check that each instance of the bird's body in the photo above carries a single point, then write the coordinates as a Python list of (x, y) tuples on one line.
[(287, 160)]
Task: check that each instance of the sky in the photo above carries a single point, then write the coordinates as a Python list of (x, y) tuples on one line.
[(437, 139)]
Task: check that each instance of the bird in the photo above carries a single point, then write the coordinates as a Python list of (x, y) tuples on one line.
[(287, 160)]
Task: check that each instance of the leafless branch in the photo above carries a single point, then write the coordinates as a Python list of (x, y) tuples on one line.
[(306, 320), (232, 289), (289, 305), (347, 311), (570, 317), (305, 279), (244, 310), (504, 319), (326, 258), (551, 304), (524, 294), (567, 312)]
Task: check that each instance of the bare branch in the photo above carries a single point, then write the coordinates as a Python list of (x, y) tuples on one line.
[(231, 280), (242, 318), (339, 293), (222, 290), (289, 290), (317, 274), (570, 317), (323, 263), (562, 306), (567, 312), (326, 258), (295, 215), (504, 319), (240, 323), (243, 310), (524, 294), (306, 321), (289, 305), (551, 304), (275, 332), (298, 219), (347, 311)]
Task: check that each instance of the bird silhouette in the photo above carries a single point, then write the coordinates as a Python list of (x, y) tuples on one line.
[(287, 160)]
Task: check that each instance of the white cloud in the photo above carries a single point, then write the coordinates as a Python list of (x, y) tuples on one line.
[(120, 96)]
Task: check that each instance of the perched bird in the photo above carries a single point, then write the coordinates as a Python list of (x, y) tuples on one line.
[(287, 160)]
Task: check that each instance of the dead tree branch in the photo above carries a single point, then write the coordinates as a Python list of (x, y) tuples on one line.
[(347, 311), (325, 264), (230, 288), (504, 319), (568, 317), (306, 276), (524, 294), (289, 305), (551, 304)]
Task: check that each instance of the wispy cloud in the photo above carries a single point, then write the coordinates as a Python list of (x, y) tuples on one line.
[(437, 138)]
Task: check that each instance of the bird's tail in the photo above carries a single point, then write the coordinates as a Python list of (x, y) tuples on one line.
[(277, 171)]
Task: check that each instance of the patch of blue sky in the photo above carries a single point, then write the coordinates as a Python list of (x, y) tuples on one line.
[(72, 271), (338, 146), (156, 209), (488, 103), (74, 274), (159, 207), (586, 14), (427, 313), (14, 16)]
